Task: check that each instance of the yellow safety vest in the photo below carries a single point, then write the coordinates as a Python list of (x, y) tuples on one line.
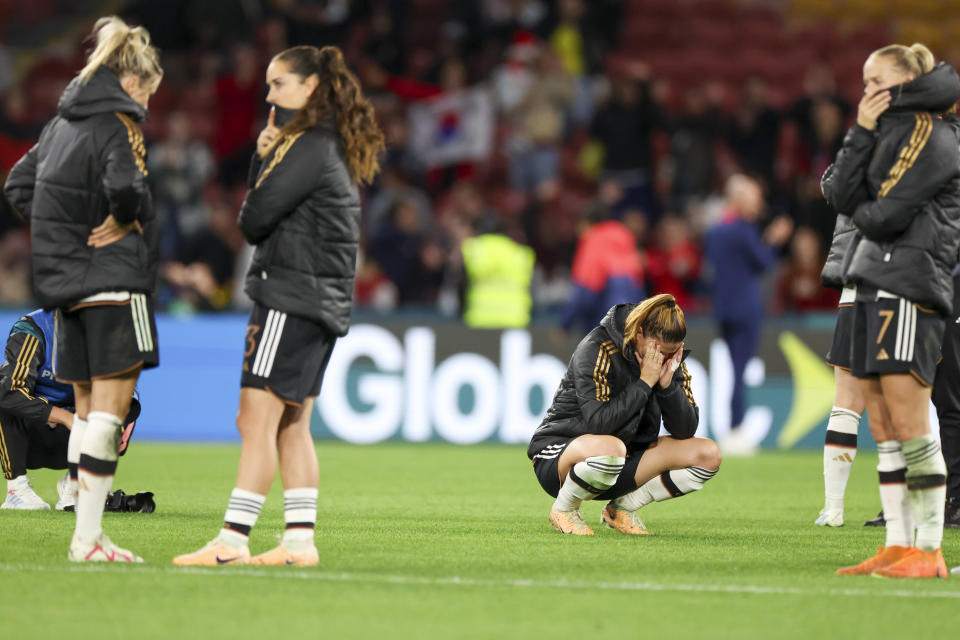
[(499, 272)]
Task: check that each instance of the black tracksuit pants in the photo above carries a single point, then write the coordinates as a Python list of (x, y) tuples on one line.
[(31, 445), (946, 395)]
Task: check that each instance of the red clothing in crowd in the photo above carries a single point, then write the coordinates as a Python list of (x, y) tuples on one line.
[(238, 113), (800, 290), (606, 250), (674, 270)]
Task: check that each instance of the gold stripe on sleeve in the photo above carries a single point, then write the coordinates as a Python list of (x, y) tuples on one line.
[(685, 385), (27, 351), (135, 137), (910, 153), (281, 150)]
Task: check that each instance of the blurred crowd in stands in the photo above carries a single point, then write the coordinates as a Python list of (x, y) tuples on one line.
[(542, 119)]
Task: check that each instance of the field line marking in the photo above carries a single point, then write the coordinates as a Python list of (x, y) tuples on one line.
[(459, 581)]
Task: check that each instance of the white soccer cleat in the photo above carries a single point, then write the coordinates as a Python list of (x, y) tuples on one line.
[(68, 494), (829, 518), (101, 549), (21, 496)]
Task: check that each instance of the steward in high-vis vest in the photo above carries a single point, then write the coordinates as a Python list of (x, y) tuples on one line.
[(499, 272)]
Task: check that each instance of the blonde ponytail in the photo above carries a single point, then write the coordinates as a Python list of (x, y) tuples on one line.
[(915, 60), (123, 49), (658, 317)]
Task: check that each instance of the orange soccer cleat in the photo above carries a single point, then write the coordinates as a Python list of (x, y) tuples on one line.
[(917, 564), (570, 522), (623, 521), (281, 556), (213, 554), (883, 559)]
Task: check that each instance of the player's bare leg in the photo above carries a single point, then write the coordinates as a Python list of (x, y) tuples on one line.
[(669, 468), (299, 473), (108, 400), (588, 466), (840, 445), (258, 420), (891, 469), (908, 402)]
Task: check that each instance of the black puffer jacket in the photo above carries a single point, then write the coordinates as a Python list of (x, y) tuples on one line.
[(844, 186), (89, 162), (602, 393), (303, 214), (910, 221)]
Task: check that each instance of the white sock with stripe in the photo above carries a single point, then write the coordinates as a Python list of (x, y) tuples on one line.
[(926, 478), (74, 443), (892, 469), (839, 452), (242, 513), (667, 485), (97, 466), (269, 342), (300, 517), (586, 479)]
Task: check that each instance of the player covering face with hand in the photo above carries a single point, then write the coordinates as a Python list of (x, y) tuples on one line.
[(600, 437), (303, 214), (902, 191)]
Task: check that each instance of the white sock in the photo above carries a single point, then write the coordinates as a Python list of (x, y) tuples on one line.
[(242, 513), (586, 479), (667, 485), (892, 468), (300, 517), (77, 432), (926, 488), (839, 452), (97, 466)]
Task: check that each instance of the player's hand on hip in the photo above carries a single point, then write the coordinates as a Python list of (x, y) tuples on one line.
[(670, 366), (109, 231), (650, 363)]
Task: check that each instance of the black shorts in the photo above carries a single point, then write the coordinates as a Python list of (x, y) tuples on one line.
[(894, 335), (545, 466), (105, 338), (839, 353), (285, 355)]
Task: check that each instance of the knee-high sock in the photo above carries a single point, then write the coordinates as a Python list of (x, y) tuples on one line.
[(586, 479), (892, 468), (669, 484), (74, 443), (839, 451), (97, 466), (926, 478)]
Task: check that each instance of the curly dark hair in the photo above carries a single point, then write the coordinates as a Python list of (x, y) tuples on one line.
[(338, 100)]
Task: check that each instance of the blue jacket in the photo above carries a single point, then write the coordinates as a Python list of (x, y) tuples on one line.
[(739, 257), (28, 388)]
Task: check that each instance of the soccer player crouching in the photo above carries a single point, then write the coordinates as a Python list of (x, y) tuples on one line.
[(599, 439), (36, 415)]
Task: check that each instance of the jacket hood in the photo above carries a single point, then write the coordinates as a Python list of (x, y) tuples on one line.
[(102, 94), (614, 321), (935, 91)]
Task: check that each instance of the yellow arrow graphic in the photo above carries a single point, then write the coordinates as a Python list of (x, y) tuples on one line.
[(813, 388)]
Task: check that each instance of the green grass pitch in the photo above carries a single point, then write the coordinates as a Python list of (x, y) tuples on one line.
[(438, 541)]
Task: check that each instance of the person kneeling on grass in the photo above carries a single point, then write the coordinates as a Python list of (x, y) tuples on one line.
[(36, 415), (599, 439)]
